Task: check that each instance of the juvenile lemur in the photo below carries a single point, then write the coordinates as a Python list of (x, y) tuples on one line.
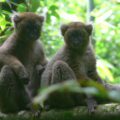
[(22, 58), (75, 60)]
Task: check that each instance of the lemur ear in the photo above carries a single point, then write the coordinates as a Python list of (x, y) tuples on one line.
[(64, 29), (16, 17), (89, 28)]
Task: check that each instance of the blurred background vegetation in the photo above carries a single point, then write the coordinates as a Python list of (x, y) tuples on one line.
[(106, 35)]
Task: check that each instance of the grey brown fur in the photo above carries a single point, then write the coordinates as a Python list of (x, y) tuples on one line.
[(22, 59), (75, 60)]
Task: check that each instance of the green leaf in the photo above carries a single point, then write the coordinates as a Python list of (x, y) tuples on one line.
[(69, 86), (2, 0), (35, 4), (21, 7), (104, 69), (53, 7)]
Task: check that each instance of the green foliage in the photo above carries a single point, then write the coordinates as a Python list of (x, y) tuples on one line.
[(68, 86), (107, 28), (2, 0), (106, 32), (92, 88), (21, 7), (104, 69)]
